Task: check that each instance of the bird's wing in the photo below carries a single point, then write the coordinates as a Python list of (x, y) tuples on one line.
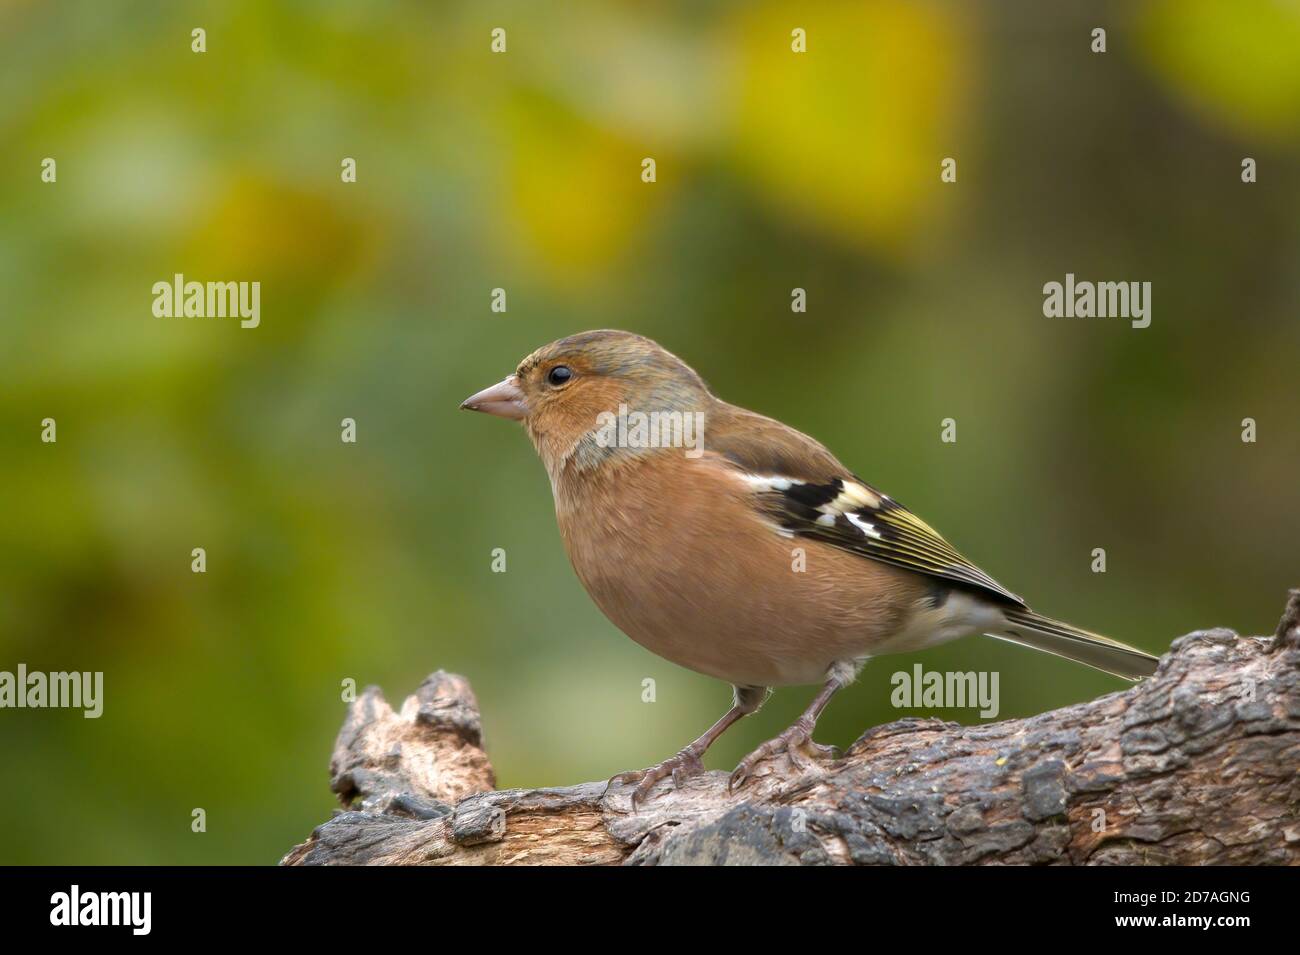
[(802, 487)]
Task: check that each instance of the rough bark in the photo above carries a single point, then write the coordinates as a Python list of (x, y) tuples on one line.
[(1199, 764)]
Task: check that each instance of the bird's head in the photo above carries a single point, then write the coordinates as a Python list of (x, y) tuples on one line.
[(564, 392)]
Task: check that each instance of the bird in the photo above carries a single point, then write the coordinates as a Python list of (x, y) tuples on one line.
[(681, 515)]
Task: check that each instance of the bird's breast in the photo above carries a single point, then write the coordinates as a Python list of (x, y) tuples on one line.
[(675, 553)]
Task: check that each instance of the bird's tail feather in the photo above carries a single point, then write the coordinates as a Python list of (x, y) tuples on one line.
[(1043, 633)]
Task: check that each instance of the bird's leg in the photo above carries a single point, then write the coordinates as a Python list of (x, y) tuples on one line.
[(690, 760), (799, 736)]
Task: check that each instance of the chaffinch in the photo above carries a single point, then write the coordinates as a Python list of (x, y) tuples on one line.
[(683, 516)]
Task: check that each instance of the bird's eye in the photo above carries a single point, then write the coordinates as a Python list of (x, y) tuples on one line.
[(559, 375)]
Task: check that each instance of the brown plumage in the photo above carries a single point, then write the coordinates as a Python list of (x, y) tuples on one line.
[(752, 555)]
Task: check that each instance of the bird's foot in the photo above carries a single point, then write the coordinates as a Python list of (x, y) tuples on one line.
[(797, 745), (681, 767)]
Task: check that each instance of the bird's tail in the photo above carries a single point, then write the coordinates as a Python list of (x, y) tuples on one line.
[(1043, 633)]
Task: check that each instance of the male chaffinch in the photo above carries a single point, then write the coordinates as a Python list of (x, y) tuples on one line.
[(690, 551)]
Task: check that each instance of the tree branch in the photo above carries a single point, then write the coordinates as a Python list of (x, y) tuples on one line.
[(1199, 764)]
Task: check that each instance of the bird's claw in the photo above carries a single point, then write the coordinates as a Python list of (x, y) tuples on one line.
[(680, 767), (796, 743)]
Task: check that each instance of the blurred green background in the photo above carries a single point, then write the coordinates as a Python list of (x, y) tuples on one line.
[(329, 561)]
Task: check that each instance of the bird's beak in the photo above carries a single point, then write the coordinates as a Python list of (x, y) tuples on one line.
[(504, 399)]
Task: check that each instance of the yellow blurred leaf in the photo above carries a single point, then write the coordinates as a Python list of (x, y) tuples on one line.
[(575, 191), (849, 135), (1237, 64)]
